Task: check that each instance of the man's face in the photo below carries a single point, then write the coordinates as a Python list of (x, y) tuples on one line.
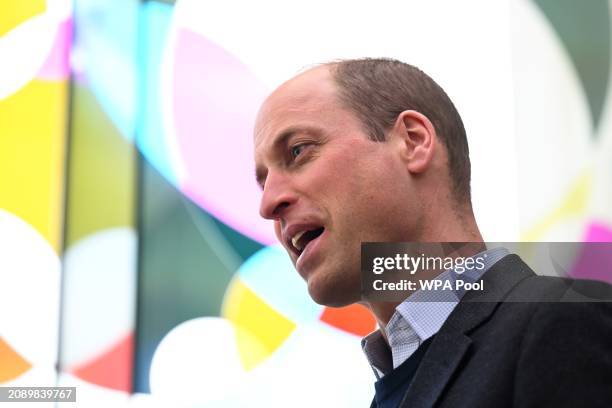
[(327, 186)]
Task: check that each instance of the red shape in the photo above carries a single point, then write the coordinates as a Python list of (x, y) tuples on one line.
[(355, 319), (111, 369)]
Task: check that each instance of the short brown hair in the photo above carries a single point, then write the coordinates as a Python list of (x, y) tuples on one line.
[(377, 90)]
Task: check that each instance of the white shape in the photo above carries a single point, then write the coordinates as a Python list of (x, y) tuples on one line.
[(317, 366), (553, 126), (197, 361), (24, 49), (92, 395), (99, 294), (29, 293)]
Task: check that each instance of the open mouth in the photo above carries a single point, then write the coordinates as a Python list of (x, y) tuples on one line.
[(302, 239)]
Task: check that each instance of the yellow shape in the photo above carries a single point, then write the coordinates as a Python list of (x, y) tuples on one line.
[(572, 205), (15, 12), (102, 170), (12, 365), (250, 350), (32, 145), (247, 310)]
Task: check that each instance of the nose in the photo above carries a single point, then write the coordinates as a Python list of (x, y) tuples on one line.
[(277, 196)]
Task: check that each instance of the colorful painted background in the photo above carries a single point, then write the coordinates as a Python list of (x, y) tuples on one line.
[(133, 263)]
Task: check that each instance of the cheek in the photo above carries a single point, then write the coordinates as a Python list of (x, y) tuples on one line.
[(379, 198)]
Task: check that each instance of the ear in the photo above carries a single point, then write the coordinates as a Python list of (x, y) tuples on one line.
[(416, 138)]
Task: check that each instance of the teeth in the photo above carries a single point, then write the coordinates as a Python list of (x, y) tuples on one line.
[(295, 240)]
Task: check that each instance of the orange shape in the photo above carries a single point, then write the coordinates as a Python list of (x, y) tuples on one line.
[(355, 319), (12, 365)]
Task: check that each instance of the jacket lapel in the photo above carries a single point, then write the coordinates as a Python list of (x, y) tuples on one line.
[(452, 341), (440, 362)]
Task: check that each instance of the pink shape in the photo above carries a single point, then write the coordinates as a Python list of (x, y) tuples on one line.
[(595, 258), (57, 66), (598, 233), (216, 99)]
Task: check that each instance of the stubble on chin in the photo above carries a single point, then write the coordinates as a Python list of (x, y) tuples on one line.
[(335, 288)]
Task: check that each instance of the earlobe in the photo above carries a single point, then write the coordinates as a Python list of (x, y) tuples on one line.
[(417, 138)]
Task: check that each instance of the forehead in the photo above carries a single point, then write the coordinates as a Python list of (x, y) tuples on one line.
[(308, 100)]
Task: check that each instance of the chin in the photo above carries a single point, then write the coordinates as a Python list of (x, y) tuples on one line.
[(326, 293)]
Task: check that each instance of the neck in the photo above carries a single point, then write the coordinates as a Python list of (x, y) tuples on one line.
[(459, 228)]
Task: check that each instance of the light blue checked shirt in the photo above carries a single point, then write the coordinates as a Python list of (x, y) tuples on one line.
[(419, 317)]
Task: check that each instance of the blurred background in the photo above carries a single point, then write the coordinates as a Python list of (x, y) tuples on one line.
[(133, 262)]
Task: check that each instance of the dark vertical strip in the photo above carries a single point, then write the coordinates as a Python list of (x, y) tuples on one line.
[(65, 206), (66, 186), (140, 83)]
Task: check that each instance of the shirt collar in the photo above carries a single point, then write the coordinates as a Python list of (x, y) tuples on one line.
[(420, 316)]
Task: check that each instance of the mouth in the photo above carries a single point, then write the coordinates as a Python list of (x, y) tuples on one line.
[(301, 241)]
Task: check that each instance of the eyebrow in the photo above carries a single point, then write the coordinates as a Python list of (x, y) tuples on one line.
[(281, 140)]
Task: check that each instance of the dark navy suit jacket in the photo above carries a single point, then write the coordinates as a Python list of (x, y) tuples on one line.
[(525, 341)]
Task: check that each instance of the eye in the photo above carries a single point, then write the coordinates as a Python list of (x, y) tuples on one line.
[(297, 150)]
